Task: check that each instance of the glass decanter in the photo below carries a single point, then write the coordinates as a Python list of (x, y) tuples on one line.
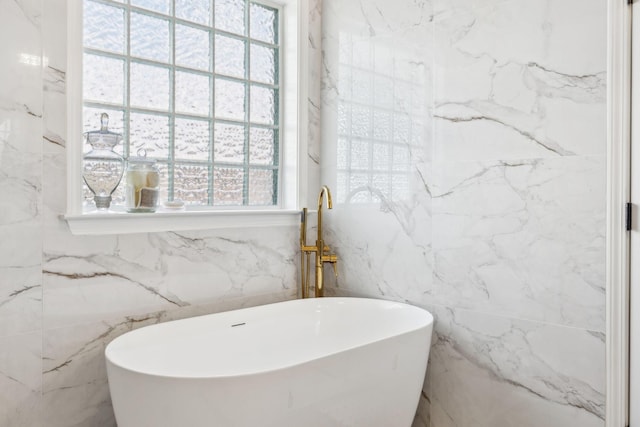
[(103, 167)]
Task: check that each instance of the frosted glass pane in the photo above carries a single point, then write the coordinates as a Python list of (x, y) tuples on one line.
[(263, 64), (230, 56), (193, 47), (193, 93), (149, 86), (149, 37), (230, 16), (264, 24), (162, 6), (359, 154), (263, 105), (381, 156), (261, 187), (228, 186), (229, 99), (163, 170), (103, 27), (191, 184), (194, 10), (103, 79), (192, 139), (91, 121), (262, 146), (228, 146), (151, 133)]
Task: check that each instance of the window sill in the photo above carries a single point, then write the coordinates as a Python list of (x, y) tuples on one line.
[(126, 223)]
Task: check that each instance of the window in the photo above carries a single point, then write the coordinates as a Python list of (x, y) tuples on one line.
[(196, 86), (202, 86)]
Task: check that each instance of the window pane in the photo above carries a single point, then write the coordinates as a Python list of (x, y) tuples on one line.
[(228, 186), (264, 24), (103, 27), (193, 92), (261, 187), (263, 64), (162, 6), (191, 184), (263, 105), (204, 105), (230, 16), (228, 146), (230, 56), (103, 79), (151, 133), (262, 147), (163, 170), (229, 99), (192, 139), (149, 86), (193, 47), (194, 10), (149, 37)]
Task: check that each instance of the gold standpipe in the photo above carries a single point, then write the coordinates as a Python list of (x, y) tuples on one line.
[(322, 251)]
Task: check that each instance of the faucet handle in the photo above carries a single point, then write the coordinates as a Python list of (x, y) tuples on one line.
[(335, 267)]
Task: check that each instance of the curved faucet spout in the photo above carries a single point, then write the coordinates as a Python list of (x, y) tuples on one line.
[(323, 191)]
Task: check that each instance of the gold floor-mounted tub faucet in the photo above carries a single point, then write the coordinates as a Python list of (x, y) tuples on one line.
[(322, 251)]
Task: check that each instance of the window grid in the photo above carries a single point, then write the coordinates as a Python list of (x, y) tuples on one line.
[(172, 162)]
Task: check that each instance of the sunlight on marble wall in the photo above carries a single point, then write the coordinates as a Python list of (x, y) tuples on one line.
[(501, 230)]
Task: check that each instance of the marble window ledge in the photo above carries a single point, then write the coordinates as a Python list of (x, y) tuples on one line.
[(126, 223)]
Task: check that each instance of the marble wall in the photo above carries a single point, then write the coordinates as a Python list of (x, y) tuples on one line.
[(64, 297), (465, 143)]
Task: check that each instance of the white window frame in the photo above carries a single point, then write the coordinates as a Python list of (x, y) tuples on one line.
[(293, 127)]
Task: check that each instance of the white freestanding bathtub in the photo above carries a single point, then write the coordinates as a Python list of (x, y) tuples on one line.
[(315, 363)]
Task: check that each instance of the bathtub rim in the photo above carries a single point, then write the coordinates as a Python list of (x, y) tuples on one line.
[(426, 325)]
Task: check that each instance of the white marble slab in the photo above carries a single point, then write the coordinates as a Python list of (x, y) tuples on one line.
[(522, 239), (21, 380), (489, 371)]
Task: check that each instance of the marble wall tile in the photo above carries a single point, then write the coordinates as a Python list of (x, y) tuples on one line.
[(314, 102), (21, 380), (523, 239), (491, 371), (20, 167), (504, 213), (75, 387), (540, 95), (144, 273)]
